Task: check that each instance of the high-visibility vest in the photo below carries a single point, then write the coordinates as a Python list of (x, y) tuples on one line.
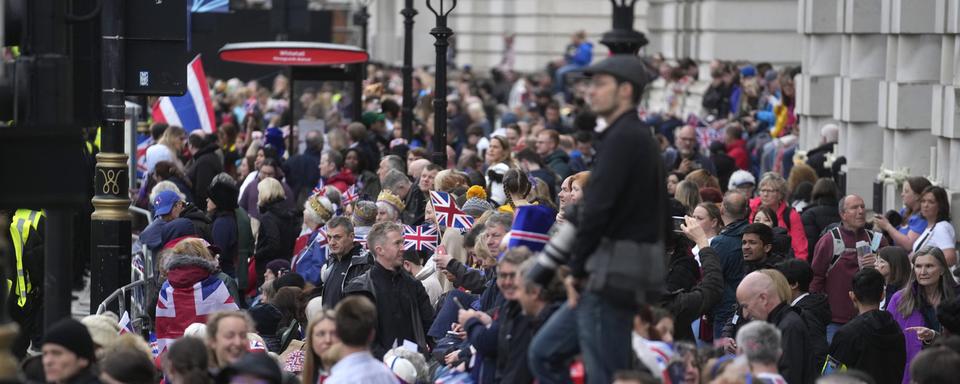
[(23, 220)]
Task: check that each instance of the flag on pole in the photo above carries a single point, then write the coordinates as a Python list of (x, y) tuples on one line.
[(193, 110), (420, 238), (448, 214), (126, 326)]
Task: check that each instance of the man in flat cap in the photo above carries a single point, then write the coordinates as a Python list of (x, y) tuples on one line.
[(617, 257)]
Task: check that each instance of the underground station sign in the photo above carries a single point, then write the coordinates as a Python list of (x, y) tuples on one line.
[(292, 53)]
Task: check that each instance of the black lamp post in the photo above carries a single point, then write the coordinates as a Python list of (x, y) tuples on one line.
[(408, 13), (442, 33), (362, 18), (623, 39)]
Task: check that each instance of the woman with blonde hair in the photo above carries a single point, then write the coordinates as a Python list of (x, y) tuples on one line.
[(227, 339), (773, 195), (278, 226), (198, 247), (688, 195), (167, 148), (321, 336), (703, 179)]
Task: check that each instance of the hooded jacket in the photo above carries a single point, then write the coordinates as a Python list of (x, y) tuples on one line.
[(873, 343), (205, 165), (278, 233), (816, 217), (815, 311), (688, 304), (796, 362), (183, 273), (559, 162), (201, 223)]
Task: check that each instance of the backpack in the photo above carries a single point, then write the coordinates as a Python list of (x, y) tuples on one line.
[(839, 247)]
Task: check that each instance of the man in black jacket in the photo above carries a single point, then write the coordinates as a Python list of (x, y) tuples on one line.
[(303, 170), (345, 262), (813, 307), (872, 342), (625, 202), (404, 309), (415, 203), (758, 298), (206, 164)]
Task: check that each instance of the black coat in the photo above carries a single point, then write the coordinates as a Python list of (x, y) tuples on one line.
[(618, 192), (513, 339), (302, 174), (688, 304), (817, 157), (278, 233), (205, 165), (815, 310), (796, 363), (355, 263), (401, 301), (201, 223), (872, 343), (816, 217), (414, 207)]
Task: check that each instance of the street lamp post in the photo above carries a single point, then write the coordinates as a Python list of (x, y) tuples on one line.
[(442, 33), (623, 39), (408, 13), (362, 18)]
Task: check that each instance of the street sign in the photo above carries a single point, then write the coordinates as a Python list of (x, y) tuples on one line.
[(293, 53)]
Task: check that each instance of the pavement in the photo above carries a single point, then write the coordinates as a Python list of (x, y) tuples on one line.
[(80, 307)]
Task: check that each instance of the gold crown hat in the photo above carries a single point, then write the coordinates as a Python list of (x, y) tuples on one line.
[(389, 198), (319, 207)]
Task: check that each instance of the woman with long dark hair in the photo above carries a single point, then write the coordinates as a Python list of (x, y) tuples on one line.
[(913, 221), (935, 209), (894, 265)]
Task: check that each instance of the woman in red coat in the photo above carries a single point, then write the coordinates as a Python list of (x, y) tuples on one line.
[(773, 194)]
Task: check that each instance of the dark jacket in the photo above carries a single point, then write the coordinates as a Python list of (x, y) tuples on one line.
[(370, 183), (470, 279), (355, 263), (249, 199), (549, 178), (817, 157), (85, 376), (414, 207), (672, 160), (506, 341), (683, 272), (815, 311), (403, 307), (201, 223), (302, 173), (781, 244), (617, 193), (688, 304), (796, 363), (278, 233), (728, 248), (873, 343), (559, 162), (205, 165), (224, 236), (816, 217)]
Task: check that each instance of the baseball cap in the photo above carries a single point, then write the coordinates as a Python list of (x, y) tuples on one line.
[(624, 67), (164, 202), (741, 177)]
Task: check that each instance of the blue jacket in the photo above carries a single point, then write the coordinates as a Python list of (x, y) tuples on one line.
[(311, 259), (728, 248), (584, 54)]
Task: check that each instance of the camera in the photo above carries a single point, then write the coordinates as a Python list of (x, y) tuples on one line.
[(558, 249)]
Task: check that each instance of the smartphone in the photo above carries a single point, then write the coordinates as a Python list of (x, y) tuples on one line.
[(677, 220)]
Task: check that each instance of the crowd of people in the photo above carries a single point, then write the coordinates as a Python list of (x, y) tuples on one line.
[(581, 229)]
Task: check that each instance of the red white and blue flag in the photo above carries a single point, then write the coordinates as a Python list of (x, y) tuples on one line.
[(448, 214), (177, 308), (126, 326), (143, 142), (193, 110), (350, 196), (420, 238)]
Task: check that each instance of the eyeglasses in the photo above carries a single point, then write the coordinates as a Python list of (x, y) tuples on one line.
[(768, 191)]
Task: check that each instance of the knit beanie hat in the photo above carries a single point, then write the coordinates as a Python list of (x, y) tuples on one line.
[(72, 335), (103, 329), (224, 195), (477, 202), (279, 266)]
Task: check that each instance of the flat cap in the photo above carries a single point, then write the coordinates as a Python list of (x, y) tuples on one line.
[(624, 67)]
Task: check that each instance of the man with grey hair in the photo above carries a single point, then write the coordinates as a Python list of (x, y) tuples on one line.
[(391, 162), (415, 203), (759, 341), (346, 260), (837, 257), (402, 302)]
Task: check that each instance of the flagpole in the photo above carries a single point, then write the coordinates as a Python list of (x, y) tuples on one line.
[(110, 228)]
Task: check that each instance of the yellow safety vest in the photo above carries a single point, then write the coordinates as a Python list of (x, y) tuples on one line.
[(23, 220)]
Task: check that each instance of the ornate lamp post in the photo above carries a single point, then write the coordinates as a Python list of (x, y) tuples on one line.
[(442, 33), (362, 18), (408, 13), (623, 39)]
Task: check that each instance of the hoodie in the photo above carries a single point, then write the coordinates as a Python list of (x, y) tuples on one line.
[(186, 277), (815, 311), (873, 343)]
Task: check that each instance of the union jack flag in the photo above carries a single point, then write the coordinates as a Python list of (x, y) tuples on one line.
[(256, 346), (126, 326), (177, 308), (350, 196), (143, 142), (319, 188), (154, 347), (422, 237), (448, 214)]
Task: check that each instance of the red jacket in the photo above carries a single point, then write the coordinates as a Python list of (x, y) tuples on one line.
[(342, 180), (738, 151), (798, 238)]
